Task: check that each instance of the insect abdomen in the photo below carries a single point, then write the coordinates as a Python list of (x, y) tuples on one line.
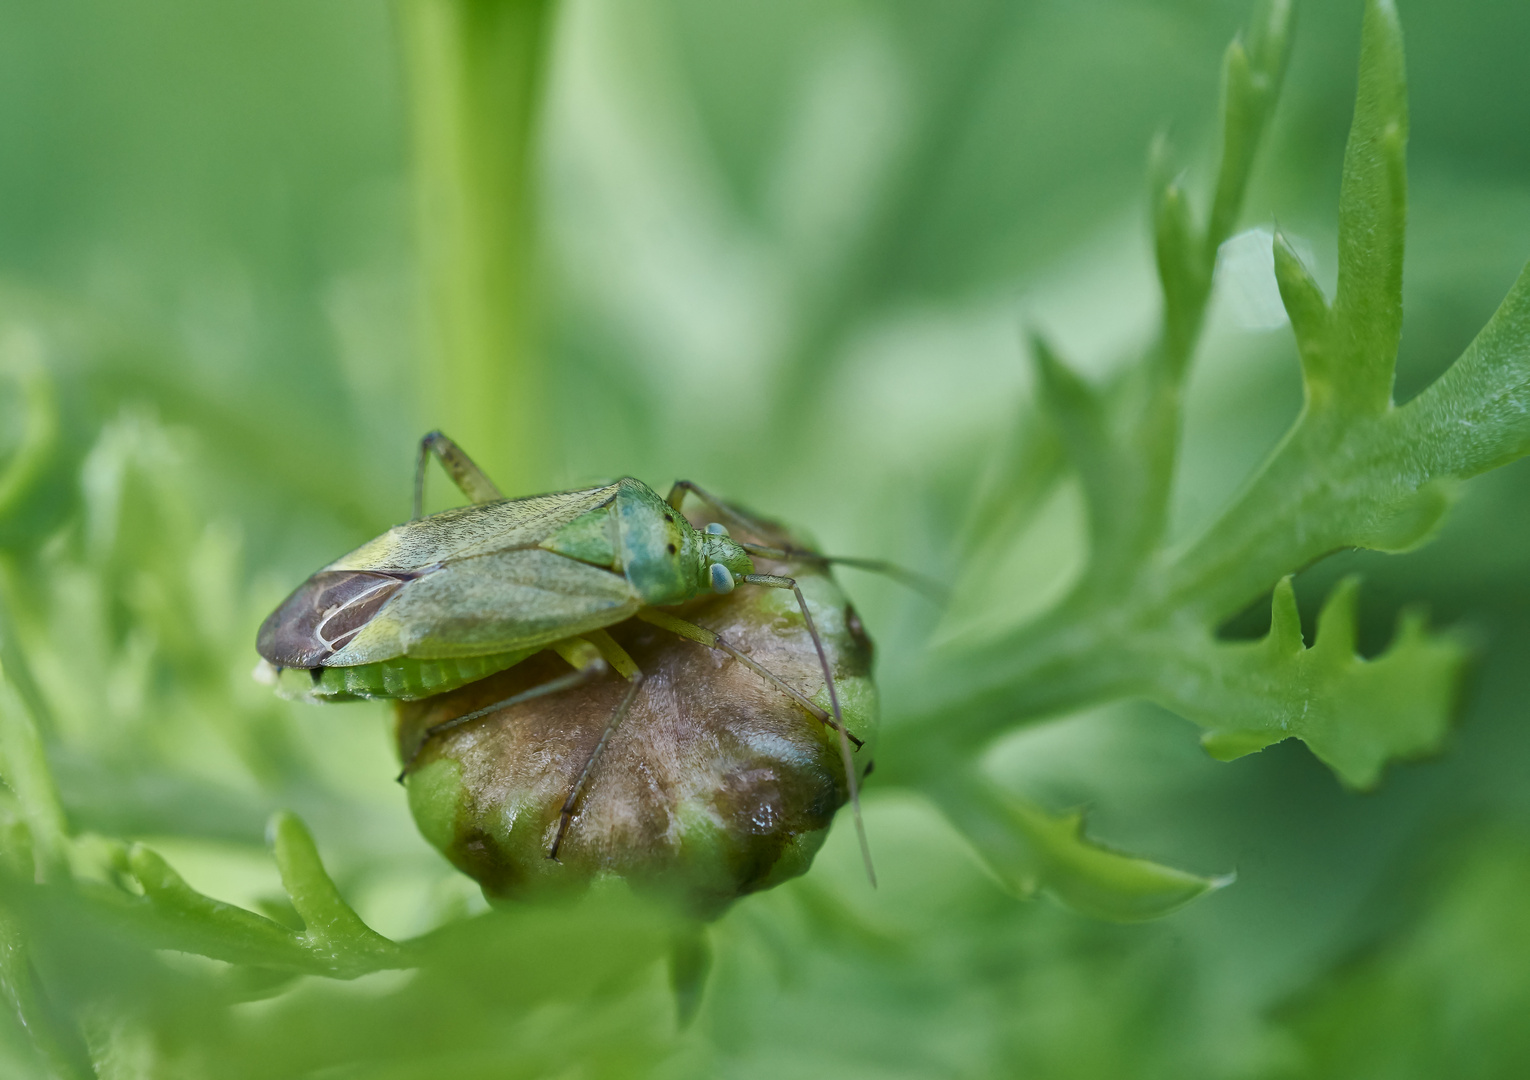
[(405, 678)]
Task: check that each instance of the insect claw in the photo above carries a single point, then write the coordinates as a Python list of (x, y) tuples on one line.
[(557, 844)]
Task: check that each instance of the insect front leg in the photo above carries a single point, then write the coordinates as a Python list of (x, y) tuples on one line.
[(739, 518), (713, 640), (464, 473), (776, 581)]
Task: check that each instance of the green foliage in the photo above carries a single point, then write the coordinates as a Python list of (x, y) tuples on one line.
[(1032, 851), (1446, 995), (1354, 470), (208, 386)]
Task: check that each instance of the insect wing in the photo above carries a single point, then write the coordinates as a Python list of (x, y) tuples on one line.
[(474, 530), (324, 614), (489, 604), (331, 619)]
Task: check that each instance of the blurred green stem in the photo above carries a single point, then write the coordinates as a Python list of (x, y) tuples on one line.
[(55, 1039), (876, 264), (25, 770), (475, 81), (20, 359)]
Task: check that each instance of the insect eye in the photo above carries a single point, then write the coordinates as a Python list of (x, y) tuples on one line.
[(722, 578), (716, 529)]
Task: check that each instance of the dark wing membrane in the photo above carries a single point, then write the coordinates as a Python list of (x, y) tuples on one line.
[(324, 614)]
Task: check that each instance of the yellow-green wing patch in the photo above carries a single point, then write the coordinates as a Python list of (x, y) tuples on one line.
[(469, 531), (590, 539)]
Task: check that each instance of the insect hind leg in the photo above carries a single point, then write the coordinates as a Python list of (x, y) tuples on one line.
[(473, 481), (552, 686), (617, 657)]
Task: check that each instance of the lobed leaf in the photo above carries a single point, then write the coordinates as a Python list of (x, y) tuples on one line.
[(332, 927), (1031, 851), (1476, 416), (1353, 471), (1311, 319), (177, 916), (1123, 438), (1354, 714), (1184, 272)]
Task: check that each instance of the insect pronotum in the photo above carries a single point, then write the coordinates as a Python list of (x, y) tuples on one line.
[(448, 599)]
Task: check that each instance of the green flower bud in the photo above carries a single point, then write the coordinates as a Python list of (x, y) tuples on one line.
[(716, 784)]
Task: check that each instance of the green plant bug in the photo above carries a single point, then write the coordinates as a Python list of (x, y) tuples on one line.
[(446, 600)]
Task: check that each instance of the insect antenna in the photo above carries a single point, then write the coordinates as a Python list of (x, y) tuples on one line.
[(932, 590), (775, 581)]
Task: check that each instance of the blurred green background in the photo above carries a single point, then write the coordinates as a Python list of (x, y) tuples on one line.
[(783, 249)]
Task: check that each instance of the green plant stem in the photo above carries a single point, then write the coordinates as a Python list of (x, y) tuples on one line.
[(56, 1040), (20, 360), (25, 770), (475, 81)]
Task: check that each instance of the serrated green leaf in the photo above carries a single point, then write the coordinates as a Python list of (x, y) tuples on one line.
[(1311, 319), (332, 927), (1355, 714), (1252, 70), (1372, 217), (1354, 471), (1183, 271), (1476, 416), (1032, 851), (191, 922)]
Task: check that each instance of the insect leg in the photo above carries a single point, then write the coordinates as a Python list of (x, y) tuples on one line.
[(466, 475), (928, 586), (617, 657), (775, 581), (587, 669), (682, 488), (713, 640)]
